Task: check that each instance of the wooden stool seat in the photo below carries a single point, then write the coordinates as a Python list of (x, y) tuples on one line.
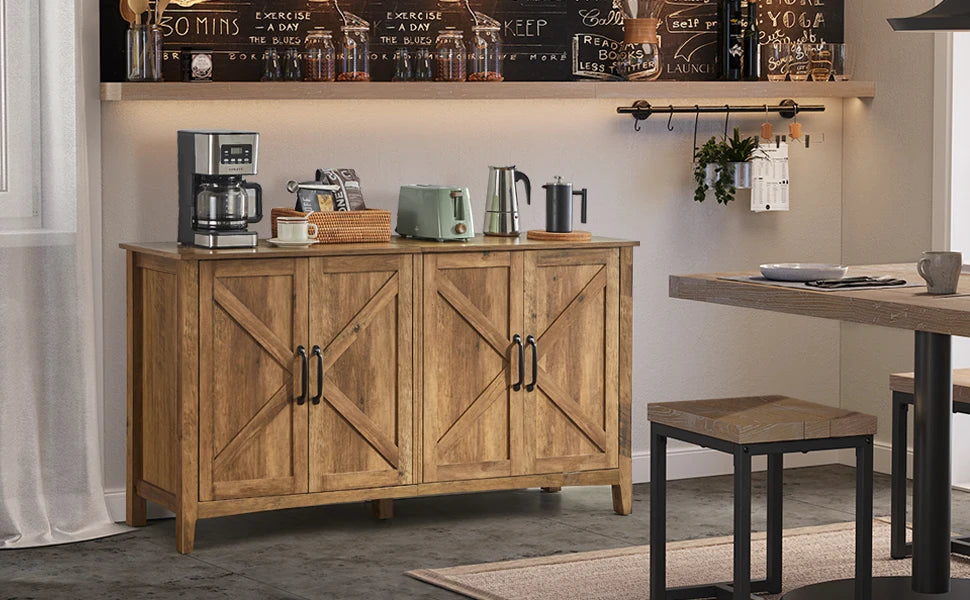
[(903, 387), (759, 419), (904, 382), (746, 427)]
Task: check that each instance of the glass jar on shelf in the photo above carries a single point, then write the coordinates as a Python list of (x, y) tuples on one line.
[(319, 55), (640, 59), (354, 54), (272, 66), (485, 51), (450, 57), (293, 65)]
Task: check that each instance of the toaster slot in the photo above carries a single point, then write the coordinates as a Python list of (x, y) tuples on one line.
[(457, 199)]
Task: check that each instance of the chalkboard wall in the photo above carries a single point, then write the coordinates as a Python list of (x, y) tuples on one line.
[(545, 40)]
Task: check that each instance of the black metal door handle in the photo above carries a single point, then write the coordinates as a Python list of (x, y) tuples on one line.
[(517, 340), (531, 341), (319, 354), (304, 375)]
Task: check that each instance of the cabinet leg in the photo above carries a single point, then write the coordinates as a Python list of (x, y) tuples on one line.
[(184, 533), (623, 497), (382, 509), (136, 508), (551, 490)]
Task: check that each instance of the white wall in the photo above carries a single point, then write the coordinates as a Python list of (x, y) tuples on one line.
[(959, 231), (887, 187), (640, 188)]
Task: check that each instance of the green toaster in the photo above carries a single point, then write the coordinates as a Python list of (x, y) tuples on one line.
[(435, 212)]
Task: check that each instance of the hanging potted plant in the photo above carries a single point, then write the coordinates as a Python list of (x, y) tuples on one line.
[(724, 166)]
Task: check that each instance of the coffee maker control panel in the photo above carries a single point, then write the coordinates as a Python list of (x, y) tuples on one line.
[(236, 154), (225, 152)]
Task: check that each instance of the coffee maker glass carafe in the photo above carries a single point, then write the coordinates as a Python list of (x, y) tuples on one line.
[(223, 203), (502, 202)]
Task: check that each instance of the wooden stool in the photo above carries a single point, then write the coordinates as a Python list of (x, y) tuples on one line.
[(902, 385), (746, 427)]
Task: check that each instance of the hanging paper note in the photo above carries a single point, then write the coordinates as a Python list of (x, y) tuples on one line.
[(769, 178)]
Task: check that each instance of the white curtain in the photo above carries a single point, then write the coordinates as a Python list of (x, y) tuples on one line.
[(50, 444)]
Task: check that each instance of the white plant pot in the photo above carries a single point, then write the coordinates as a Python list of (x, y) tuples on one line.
[(742, 175)]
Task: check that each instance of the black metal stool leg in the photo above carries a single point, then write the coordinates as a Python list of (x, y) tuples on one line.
[(863, 521), (658, 515), (776, 466), (897, 513), (742, 524)]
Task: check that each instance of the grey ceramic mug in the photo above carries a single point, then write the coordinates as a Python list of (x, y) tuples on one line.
[(941, 270)]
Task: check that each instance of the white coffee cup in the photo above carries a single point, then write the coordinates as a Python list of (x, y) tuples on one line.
[(295, 229), (941, 270)]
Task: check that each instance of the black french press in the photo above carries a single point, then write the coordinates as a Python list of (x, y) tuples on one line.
[(559, 205)]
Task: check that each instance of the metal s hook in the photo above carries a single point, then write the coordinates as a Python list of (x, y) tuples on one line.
[(636, 125), (697, 118), (727, 118), (670, 120)]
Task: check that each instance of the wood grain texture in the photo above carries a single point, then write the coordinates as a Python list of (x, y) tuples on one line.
[(551, 236), (253, 434), (759, 419), (900, 308), (904, 382), (472, 308), (187, 491), (221, 508), (361, 316), (161, 497), (623, 491), (135, 507), (160, 377), (479, 244), (382, 509), (528, 90), (572, 306)]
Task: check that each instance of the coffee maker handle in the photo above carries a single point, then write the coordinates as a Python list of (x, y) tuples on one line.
[(582, 193), (520, 176), (256, 218)]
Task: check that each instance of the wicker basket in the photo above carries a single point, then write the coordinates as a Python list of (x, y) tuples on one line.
[(344, 227)]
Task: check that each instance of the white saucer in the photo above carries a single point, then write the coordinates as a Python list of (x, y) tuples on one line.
[(289, 244), (802, 271)]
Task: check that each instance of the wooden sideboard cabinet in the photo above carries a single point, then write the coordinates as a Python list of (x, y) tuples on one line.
[(271, 378)]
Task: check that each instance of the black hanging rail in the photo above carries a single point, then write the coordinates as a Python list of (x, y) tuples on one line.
[(642, 110)]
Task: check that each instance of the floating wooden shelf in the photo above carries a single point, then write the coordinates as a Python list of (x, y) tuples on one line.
[(519, 90)]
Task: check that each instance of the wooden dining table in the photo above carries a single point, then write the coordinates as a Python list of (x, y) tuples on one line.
[(934, 319)]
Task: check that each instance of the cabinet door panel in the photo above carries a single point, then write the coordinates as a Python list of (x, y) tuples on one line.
[(253, 435), (361, 317), (472, 308), (572, 307)]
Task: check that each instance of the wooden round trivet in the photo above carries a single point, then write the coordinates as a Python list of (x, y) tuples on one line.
[(549, 236)]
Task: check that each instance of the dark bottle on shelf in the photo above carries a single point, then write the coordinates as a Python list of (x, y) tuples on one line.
[(730, 40), (752, 44)]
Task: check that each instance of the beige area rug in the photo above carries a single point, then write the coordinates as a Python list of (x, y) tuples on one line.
[(811, 555)]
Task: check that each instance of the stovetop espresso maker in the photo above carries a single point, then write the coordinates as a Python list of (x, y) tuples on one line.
[(216, 205), (559, 205)]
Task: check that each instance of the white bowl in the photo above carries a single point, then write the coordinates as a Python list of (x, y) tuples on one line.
[(802, 271)]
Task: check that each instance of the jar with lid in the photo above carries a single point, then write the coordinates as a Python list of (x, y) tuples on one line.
[(272, 67), (485, 52), (641, 59), (293, 67), (319, 56), (354, 53), (449, 52)]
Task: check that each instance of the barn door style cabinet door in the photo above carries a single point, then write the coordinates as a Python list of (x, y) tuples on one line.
[(286, 378), (528, 345)]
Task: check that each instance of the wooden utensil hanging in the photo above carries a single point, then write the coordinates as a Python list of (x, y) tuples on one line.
[(139, 7), (795, 128), (126, 13), (160, 6), (767, 130)]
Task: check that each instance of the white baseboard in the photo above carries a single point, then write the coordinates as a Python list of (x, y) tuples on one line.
[(115, 499), (688, 461)]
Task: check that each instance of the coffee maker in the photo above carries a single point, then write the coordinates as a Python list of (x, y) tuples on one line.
[(216, 205)]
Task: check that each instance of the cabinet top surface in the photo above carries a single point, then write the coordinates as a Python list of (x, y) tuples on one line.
[(172, 250)]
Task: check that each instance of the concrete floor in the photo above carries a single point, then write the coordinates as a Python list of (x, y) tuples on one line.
[(342, 552)]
